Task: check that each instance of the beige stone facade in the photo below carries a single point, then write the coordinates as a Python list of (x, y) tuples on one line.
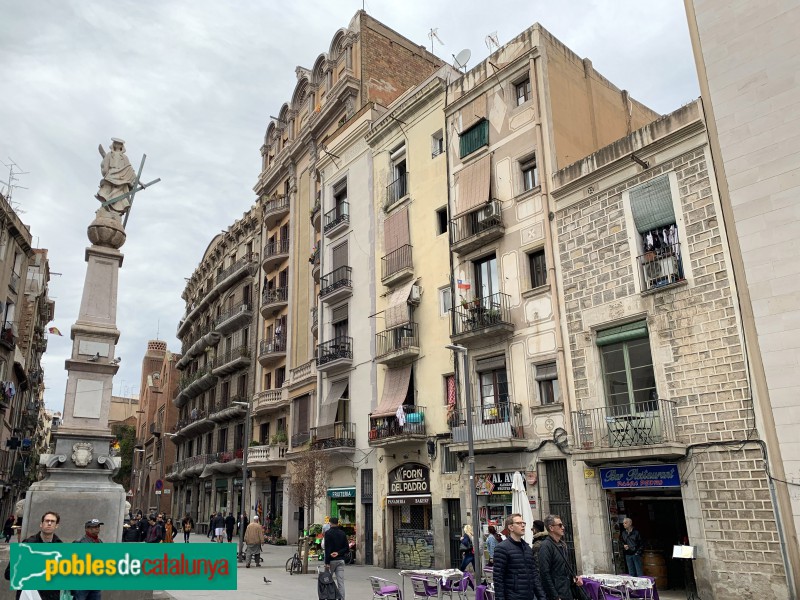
[(683, 397)]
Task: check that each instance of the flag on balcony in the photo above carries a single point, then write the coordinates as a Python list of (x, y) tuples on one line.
[(54, 331), (463, 285)]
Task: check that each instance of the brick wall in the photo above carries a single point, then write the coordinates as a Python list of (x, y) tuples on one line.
[(694, 334)]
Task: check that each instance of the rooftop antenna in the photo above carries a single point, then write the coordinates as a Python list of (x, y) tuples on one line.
[(433, 35), (460, 59), (492, 42), (12, 177)]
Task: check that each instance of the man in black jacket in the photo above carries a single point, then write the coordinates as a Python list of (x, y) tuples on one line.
[(514, 572), (557, 573), (46, 535), (633, 548), (336, 548)]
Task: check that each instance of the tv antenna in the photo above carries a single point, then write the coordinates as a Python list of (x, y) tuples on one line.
[(460, 59), (492, 42), (13, 170), (434, 35)]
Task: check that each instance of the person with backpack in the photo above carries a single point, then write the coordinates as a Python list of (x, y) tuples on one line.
[(336, 548)]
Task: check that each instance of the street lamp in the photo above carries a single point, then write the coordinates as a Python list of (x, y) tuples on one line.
[(245, 486), (476, 525)]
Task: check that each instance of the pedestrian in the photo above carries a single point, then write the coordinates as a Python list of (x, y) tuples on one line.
[(219, 527), (558, 577), (187, 524), (91, 536), (45, 535), (491, 543), (230, 523), (130, 531), (211, 525), (514, 573), (336, 548), (253, 538), (538, 537), (633, 547), (169, 531), (467, 548), (155, 531), (144, 528), (8, 527)]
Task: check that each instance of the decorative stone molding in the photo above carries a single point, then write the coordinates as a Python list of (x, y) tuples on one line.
[(82, 454), (112, 463), (52, 460)]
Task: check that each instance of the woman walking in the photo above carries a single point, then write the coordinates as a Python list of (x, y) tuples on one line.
[(169, 530), (468, 548)]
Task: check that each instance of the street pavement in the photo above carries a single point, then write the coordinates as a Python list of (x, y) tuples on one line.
[(284, 586)]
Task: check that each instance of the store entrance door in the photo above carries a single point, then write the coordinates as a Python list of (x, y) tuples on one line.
[(454, 531)]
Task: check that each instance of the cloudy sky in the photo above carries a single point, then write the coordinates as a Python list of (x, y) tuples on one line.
[(192, 85)]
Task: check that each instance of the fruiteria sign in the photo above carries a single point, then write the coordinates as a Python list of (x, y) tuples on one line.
[(409, 484)]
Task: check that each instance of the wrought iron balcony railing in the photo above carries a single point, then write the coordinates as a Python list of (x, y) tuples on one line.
[(481, 313), (390, 428), (637, 424), (476, 223), (396, 261), (336, 435), (661, 267), (397, 339), (274, 295), (335, 349), (338, 278), (336, 216), (397, 190), (490, 422)]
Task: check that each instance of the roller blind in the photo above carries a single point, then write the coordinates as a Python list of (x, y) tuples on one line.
[(623, 333), (651, 205)]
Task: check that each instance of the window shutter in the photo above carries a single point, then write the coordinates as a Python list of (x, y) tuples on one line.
[(395, 231), (474, 138), (339, 256), (490, 364), (339, 314), (623, 333), (546, 372), (651, 205)]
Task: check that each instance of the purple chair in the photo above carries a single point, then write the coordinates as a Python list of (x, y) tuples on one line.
[(425, 587), (383, 589), (457, 586)]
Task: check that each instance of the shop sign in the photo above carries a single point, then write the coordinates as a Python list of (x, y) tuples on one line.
[(487, 484), (410, 479), (647, 476), (342, 492), (404, 500)]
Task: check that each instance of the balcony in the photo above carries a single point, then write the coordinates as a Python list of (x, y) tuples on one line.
[(226, 409), (233, 318), (396, 191), (274, 210), (337, 219), (337, 435), (272, 350), (262, 456), (232, 361), (316, 214), (641, 430), (315, 262), (13, 282), (7, 338), (305, 373), (397, 266), (191, 386), (299, 439), (197, 347), (660, 269), (397, 346), (337, 285), (473, 230), (236, 271), (315, 321), (335, 354), (196, 424), (384, 431), (273, 300), (275, 253), (482, 318), (267, 400), (493, 426), (156, 429)]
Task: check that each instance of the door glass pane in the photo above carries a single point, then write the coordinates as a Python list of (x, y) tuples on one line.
[(487, 389), (639, 353)]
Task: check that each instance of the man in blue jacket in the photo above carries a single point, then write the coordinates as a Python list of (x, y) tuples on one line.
[(515, 574)]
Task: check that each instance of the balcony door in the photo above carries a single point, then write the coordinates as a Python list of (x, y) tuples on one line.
[(494, 395), (487, 279)]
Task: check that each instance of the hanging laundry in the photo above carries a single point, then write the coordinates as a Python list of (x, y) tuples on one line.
[(401, 416)]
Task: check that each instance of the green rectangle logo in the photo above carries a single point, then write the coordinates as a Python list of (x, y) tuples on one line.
[(123, 566)]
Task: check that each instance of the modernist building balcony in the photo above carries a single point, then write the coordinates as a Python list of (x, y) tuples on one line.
[(396, 191), (193, 385), (482, 318), (335, 355), (642, 430), (398, 345), (305, 373), (190, 467), (272, 350), (661, 268), (274, 210), (336, 435), (336, 285), (226, 409), (337, 219), (273, 300), (497, 425), (275, 253), (263, 456), (267, 400), (316, 214), (473, 230), (233, 319), (197, 347), (195, 425), (397, 266), (384, 431), (232, 361), (300, 439), (315, 263)]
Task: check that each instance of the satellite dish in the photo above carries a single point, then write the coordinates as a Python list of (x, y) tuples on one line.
[(461, 58)]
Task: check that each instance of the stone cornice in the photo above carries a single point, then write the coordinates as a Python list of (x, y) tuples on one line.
[(386, 124)]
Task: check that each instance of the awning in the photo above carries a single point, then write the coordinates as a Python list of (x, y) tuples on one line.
[(397, 312), (395, 231), (395, 388), (327, 412), (473, 112), (472, 185)]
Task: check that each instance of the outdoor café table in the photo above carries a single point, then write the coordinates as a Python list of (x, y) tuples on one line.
[(627, 586), (439, 575)]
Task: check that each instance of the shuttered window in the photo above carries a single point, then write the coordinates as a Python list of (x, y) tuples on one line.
[(473, 138), (651, 205), (339, 256)]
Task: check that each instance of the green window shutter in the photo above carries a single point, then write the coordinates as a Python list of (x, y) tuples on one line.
[(475, 137), (651, 205), (623, 333)]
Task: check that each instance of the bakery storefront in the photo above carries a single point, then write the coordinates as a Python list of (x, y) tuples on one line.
[(409, 501)]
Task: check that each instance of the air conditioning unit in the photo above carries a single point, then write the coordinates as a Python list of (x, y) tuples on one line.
[(415, 296), (491, 211)]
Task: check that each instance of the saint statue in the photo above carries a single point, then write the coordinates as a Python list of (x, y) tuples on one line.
[(118, 178)]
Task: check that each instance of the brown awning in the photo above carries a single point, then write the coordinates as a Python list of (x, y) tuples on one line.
[(395, 231), (327, 411), (395, 388), (397, 312), (472, 186), (473, 112)]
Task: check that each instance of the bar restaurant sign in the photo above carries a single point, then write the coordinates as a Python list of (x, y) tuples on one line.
[(640, 476), (409, 484), (487, 484)]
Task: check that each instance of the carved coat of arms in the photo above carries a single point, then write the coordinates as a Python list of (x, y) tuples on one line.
[(82, 454)]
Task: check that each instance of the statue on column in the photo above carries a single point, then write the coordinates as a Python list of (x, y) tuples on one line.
[(118, 179)]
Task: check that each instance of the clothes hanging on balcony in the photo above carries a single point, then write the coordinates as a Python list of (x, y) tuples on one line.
[(8, 389), (401, 416)]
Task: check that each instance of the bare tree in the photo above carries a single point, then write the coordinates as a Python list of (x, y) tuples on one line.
[(309, 483)]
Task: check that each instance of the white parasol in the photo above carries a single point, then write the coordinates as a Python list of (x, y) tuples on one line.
[(520, 504)]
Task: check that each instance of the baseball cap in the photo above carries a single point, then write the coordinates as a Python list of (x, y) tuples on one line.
[(94, 523)]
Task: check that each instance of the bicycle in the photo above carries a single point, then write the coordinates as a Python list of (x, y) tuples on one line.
[(295, 564)]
